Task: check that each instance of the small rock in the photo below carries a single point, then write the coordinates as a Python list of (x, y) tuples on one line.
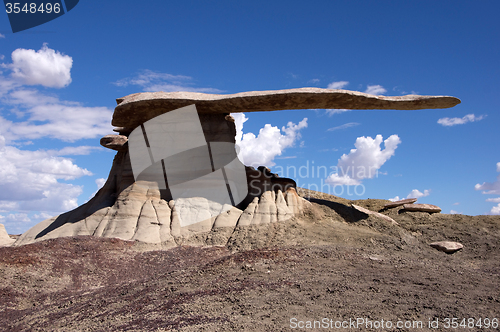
[(400, 202), (422, 208), (448, 247), (114, 142), (380, 215)]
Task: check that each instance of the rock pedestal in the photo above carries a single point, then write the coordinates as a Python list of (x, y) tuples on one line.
[(139, 210)]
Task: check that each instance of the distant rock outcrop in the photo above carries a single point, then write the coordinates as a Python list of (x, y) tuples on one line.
[(400, 202)]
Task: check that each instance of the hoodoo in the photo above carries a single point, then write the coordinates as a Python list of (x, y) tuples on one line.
[(132, 207)]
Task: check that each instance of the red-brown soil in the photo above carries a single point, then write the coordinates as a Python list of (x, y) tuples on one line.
[(333, 263)]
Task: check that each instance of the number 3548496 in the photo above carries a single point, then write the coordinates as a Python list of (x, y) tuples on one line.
[(32, 8)]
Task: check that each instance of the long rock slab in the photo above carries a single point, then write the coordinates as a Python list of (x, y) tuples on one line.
[(373, 213), (134, 109), (400, 202), (422, 208)]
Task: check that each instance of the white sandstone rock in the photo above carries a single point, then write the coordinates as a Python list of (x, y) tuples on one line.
[(5, 239)]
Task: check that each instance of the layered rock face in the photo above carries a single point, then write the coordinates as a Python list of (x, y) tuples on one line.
[(139, 210)]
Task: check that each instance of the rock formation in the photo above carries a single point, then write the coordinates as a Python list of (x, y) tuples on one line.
[(141, 210), (5, 239)]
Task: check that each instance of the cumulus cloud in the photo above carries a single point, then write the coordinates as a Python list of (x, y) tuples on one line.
[(45, 67), (415, 193), (448, 122), (375, 90), (455, 212), (269, 143), (364, 161), (394, 199), (494, 200), (337, 85), (30, 180), (344, 126), (491, 188), (495, 209), (153, 81)]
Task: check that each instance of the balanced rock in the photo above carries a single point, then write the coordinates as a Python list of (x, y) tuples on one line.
[(135, 109), (400, 202), (373, 213), (5, 239), (114, 142), (134, 208), (422, 208), (448, 247)]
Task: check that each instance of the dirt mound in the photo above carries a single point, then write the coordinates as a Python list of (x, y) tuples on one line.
[(334, 263)]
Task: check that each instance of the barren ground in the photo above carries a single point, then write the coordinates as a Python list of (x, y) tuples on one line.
[(333, 263)]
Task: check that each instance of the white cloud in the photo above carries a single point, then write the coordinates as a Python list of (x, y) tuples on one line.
[(30, 180), (457, 203), (344, 126), (337, 85), (415, 193), (495, 209), (375, 89), (448, 122), (270, 142), (2, 36), (47, 116), (100, 183), (314, 81), (331, 112), (364, 161), (16, 218), (491, 188), (493, 200), (154, 81), (455, 212), (394, 199), (45, 67)]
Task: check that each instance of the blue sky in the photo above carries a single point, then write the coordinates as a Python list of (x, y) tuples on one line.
[(59, 82)]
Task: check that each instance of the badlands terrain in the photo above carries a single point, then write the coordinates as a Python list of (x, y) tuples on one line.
[(332, 264)]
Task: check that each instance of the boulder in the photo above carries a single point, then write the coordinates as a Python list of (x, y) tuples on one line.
[(422, 208), (114, 142), (448, 247), (5, 239), (376, 214), (400, 202)]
